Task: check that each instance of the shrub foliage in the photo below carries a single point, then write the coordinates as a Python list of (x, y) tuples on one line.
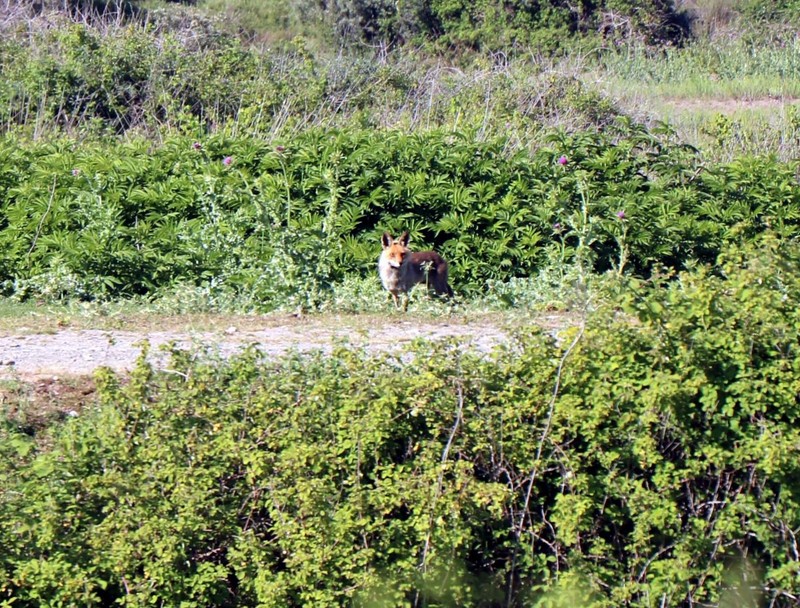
[(638, 463), (288, 221)]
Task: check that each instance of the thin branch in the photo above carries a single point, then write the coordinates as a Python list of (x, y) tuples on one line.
[(44, 215), (440, 480), (548, 422), (525, 510)]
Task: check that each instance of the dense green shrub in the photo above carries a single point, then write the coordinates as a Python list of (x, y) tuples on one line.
[(488, 25), (84, 77), (89, 75), (649, 460), (285, 222), (90, 79)]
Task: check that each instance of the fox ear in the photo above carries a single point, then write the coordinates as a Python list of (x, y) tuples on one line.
[(386, 239), (403, 240)]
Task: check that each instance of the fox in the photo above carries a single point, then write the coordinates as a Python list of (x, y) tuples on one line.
[(401, 269)]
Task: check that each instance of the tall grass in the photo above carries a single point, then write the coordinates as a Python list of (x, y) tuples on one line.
[(265, 22), (728, 95), (179, 72), (720, 68)]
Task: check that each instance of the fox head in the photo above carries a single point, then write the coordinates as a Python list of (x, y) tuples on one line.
[(395, 250)]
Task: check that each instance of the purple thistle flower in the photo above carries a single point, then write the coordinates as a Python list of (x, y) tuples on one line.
[(557, 226), (76, 172), (562, 161), (279, 149), (197, 145), (227, 161), (621, 214)]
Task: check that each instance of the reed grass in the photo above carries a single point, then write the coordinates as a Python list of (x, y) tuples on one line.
[(728, 67)]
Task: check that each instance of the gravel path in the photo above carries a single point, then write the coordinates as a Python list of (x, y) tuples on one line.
[(79, 352)]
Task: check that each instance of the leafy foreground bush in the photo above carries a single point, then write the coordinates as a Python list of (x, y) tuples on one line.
[(283, 223), (641, 462)]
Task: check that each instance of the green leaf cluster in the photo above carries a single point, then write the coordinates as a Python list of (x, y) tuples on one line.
[(640, 461), (284, 223)]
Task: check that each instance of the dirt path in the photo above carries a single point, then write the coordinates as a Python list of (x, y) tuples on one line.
[(75, 352)]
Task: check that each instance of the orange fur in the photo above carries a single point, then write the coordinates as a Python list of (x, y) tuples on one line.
[(401, 269)]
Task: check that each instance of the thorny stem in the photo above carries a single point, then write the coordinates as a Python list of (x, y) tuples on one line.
[(440, 479), (525, 512), (44, 215)]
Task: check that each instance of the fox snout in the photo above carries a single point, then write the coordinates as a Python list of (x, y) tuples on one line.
[(395, 262)]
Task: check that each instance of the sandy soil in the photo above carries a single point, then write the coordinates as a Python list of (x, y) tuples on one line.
[(74, 352), (729, 106)]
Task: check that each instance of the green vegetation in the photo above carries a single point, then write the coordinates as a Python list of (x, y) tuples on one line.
[(160, 155), (487, 25), (639, 464), (724, 68), (285, 223)]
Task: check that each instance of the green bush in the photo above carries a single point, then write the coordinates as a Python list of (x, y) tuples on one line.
[(488, 25), (284, 223), (639, 461), (771, 11), (83, 77), (91, 81)]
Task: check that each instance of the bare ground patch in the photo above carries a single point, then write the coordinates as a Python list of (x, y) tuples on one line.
[(75, 352), (729, 105), (46, 371)]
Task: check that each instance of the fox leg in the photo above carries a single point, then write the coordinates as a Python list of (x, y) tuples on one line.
[(395, 299)]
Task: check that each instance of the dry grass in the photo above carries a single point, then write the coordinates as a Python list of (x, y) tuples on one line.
[(31, 318)]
